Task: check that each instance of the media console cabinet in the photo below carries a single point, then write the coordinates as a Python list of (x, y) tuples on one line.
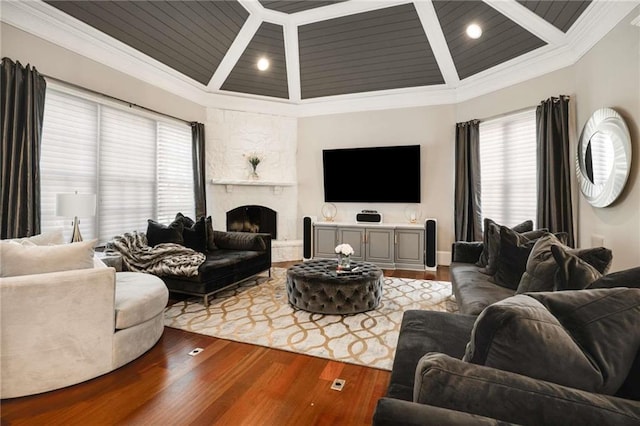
[(388, 245)]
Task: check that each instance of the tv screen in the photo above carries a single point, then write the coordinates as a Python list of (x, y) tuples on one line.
[(389, 174)]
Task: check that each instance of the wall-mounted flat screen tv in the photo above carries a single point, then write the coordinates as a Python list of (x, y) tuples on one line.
[(388, 174)]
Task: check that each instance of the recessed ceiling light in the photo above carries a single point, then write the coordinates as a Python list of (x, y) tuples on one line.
[(474, 31), (263, 64)]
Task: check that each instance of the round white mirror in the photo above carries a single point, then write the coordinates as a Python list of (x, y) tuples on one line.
[(604, 157)]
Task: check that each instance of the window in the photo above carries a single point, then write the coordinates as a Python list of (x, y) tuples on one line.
[(508, 168), (138, 165)]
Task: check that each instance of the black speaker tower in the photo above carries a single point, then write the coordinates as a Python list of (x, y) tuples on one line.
[(430, 244), (307, 232)]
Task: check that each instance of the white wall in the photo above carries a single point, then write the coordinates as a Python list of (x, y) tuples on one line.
[(430, 127), (609, 76)]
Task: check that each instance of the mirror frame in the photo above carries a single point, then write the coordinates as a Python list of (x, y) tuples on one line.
[(609, 123)]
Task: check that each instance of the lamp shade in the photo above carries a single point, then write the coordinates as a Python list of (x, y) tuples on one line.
[(71, 205)]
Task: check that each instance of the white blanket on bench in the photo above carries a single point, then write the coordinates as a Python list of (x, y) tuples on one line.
[(162, 260)]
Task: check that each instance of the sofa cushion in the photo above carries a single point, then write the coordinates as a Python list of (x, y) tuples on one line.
[(157, 233), (139, 297), (447, 382), (625, 278), (511, 262), (422, 332), (491, 242), (573, 272), (586, 339), (473, 290), (27, 258), (239, 241), (542, 269)]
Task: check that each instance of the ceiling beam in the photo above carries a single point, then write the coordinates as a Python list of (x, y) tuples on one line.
[(236, 50), (292, 56), (431, 24), (338, 10), (529, 21), (254, 7)]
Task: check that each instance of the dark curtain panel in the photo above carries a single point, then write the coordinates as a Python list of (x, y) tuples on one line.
[(22, 103), (468, 222), (554, 161), (199, 179)]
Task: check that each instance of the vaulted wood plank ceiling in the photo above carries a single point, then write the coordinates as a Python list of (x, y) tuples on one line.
[(319, 49)]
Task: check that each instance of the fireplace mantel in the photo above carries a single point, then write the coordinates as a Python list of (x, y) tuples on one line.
[(230, 183)]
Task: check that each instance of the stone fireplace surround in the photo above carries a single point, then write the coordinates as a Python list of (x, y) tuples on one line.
[(230, 137)]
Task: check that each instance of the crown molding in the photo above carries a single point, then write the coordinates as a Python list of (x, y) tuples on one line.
[(599, 18), (51, 24)]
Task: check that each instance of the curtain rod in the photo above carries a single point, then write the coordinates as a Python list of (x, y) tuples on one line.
[(131, 104), (504, 114)]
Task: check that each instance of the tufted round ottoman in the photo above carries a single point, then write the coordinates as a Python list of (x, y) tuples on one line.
[(315, 286)]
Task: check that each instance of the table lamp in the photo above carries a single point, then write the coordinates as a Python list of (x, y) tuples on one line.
[(75, 205)]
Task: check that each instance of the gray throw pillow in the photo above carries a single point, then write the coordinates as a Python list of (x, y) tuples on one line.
[(511, 261), (585, 339), (487, 242), (573, 272), (541, 272)]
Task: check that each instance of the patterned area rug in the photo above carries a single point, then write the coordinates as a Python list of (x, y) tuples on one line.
[(257, 311)]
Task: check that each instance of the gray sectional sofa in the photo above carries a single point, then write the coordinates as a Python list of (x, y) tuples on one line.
[(576, 361), (545, 337)]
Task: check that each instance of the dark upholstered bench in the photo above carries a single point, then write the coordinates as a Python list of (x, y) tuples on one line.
[(240, 255), (315, 286)]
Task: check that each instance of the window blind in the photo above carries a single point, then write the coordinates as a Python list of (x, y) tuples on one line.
[(139, 167), (175, 172), (68, 158), (508, 168), (127, 172)]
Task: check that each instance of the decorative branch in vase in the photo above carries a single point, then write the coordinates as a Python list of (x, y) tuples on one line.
[(254, 160)]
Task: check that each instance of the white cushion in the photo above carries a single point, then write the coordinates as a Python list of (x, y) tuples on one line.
[(21, 259), (139, 297), (46, 238)]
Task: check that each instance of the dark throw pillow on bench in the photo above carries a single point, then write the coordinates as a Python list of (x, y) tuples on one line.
[(197, 234), (195, 237), (158, 233)]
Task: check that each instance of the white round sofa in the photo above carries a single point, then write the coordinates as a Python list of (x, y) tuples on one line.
[(63, 328)]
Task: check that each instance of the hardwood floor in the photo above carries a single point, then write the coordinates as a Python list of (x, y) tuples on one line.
[(229, 383)]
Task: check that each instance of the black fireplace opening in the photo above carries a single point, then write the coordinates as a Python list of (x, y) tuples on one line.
[(253, 219)]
